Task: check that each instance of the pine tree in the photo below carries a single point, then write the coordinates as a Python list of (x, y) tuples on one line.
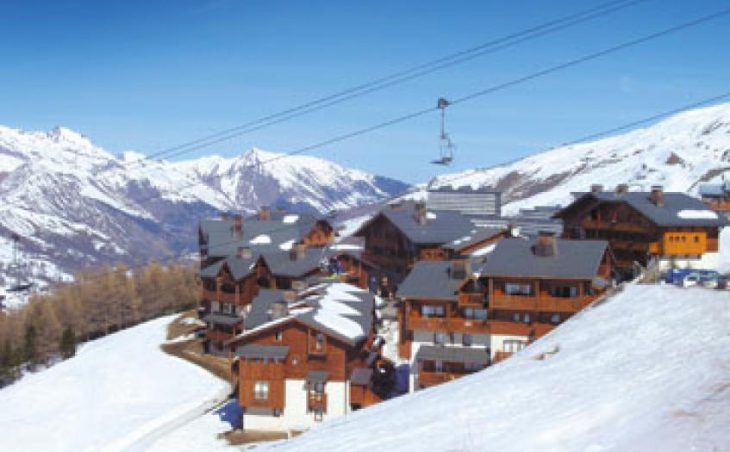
[(67, 345), (30, 351)]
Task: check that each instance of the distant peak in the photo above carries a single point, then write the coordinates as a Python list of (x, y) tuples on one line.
[(132, 156), (60, 133)]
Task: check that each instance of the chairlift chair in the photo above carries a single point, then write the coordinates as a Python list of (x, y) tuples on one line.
[(446, 146)]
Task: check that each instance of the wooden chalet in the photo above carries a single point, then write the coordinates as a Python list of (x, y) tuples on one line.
[(305, 358), (478, 243), (398, 236), (534, 285), (672, 228), (444, 329)]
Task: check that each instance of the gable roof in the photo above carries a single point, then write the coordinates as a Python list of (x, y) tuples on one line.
[(239, 267), (474, 237), (430, 280), (340, 310), (441, 226), (281, 263), (668, 215), (575, 259)]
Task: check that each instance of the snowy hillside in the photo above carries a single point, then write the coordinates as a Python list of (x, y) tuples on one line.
[(121, 392), (646, 370), (677, 153), (74, 204)]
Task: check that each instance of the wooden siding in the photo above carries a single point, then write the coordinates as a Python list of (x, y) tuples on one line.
[(250, 372), (363, 396)]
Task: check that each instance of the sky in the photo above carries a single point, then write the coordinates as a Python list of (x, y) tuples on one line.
[(150, 75)]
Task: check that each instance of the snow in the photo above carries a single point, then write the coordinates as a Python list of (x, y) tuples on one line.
[(680, 153), (195, 436), (114, 395), (697, 214), (431, 216), (484, 250), (262, 239), (613, 378), (724, 264), (286, 246), (290, 219)]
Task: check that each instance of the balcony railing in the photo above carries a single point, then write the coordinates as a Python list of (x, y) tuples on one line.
[(471, 300), (427, 379), (500, 356), (221, 296), (541, 304), (617, 226), (217, 335), (453, 324)]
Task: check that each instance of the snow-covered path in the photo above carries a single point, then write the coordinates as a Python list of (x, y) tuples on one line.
[(647, 370), (121, 392)]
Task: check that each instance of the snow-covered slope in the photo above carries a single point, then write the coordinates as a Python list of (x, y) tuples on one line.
[(116, 394), (677, 153), (75, 204), (646, 370)]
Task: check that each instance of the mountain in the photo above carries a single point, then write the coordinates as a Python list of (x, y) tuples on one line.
[(612, 378), (74, 204), (679, 153)]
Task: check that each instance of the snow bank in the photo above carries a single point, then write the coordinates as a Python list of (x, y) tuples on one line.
[(117, 393), (618, 380)]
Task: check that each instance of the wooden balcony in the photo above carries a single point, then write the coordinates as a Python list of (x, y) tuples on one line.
[(611, 226), (448, 325), (427, 379), (506, 328), (317, 401), (218, 296), (540, 304), (471, 300)]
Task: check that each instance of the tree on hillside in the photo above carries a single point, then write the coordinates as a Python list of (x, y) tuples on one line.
[(67, 345), (30, 352)]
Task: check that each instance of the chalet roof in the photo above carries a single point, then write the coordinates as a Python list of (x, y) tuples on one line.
[(281, 263), (715, 190), (240, 267), (222, 319), (668, 215), (474, 237), (432, 280), (578, 259), (361, 376), (317, 376), (260, 312), (275, 234), (453, 354), (441, 226), (257, 351), (340, 310)]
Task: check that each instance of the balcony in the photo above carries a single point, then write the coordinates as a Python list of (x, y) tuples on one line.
[(218, 336), (501, 356), (444, 324), (363, 396), (317, 401), (611, 226), (221, 296), (472, 300), (427, 379), (541, 304)]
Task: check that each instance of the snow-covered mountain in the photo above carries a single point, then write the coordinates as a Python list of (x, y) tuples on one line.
[(75, 204), (678, 153), (612, 378)]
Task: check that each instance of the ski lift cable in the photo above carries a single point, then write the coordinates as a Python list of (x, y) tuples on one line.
[(703, 102), (399, 77)]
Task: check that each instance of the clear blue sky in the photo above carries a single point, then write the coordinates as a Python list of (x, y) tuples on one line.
[(147, 75)]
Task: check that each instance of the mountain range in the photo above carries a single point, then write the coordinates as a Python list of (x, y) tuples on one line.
[(73, 204)]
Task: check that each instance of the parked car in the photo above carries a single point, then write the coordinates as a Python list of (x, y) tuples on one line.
[(723, 282), (691, 280)]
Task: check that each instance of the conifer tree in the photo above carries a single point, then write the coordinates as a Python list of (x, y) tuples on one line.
[(67, 345)]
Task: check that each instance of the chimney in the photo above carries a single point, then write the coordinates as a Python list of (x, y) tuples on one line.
[(596, 188), (279, 308), (244, 252), (657, 195), (621, 189), (419, 213), (237, 228), (297, 251), (460, 270), (546, 245), (265, 213)]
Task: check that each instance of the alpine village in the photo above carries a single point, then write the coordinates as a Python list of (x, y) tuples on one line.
[(298, 309)]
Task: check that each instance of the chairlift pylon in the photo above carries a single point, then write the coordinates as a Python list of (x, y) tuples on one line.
[(446, 146)]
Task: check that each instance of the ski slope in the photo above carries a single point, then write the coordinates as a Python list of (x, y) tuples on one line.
[(647, 370), (121, 392)]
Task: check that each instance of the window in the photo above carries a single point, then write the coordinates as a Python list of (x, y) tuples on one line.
[(555, 318), (516, 317), (477, 314), (518, 289), (466, 340), (261, 390), (318, 415), (513, 346), (472, 367), (227, 308), (279, 336), (526, 318), (438, 366), (439, 338), (319, 342), (433, 311)]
